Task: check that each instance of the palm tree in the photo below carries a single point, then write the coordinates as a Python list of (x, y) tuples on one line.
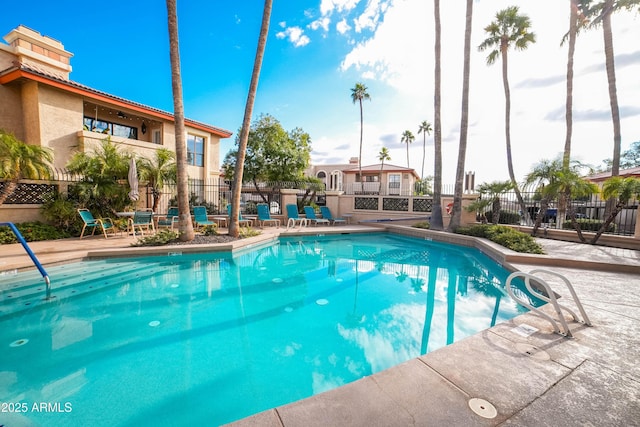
[(382, 156), (623, 190), (407, 138), (19, 160), (358, 93), (185, 226), (425, 129), (508, 30), (542, 175), (571, 37), (493, 190), (454, 223), (158, 172), (234, 226)]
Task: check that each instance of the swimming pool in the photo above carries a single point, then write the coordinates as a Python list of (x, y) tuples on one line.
[(206, 339)]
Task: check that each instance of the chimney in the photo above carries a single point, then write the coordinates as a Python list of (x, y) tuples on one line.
[(353, 161), (39, 52)]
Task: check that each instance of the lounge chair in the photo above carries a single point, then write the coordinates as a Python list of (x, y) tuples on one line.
[(326, 213), (201, 218), (104, 224), (311, 216), (170, 219), (264, 216), (294, 218), (246, 222), (141, 221)]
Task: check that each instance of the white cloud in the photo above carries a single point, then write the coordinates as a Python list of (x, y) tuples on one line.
[(343, 27), (327, 7), (321, 23), (295, 35)]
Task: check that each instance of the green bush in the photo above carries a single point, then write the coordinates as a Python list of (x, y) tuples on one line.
[(506, 217), (423, 224), (504, 236), (160, 238), (32, 232), (589, 225), (210, 230)]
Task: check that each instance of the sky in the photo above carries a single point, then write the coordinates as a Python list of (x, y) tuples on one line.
[(317, 50)]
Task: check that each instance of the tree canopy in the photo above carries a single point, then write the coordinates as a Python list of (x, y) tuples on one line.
[(273, 154)]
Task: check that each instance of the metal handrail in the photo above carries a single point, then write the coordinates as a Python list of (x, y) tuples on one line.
[(33, 257), (550, 297)]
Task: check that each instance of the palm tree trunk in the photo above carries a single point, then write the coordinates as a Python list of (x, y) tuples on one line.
[(611, 79), (464, 123), (614, 213), (573, 22), (507, 131), (185, 226), (436, 210), (360, 154), (8, 188), (234, 226), (424, 152)]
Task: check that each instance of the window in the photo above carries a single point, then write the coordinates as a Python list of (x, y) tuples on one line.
[(394, 180), (195, 150), (156, 137), (110, 128)]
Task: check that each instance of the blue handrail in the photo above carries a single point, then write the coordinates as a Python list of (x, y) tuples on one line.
[(31, 255)]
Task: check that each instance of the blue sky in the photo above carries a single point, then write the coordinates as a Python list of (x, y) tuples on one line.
[(318, 49)]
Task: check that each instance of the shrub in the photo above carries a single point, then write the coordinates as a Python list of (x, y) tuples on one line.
[(32, 232), (248, 232), (504, 236), (422, 224), (160, 238), (210, 230), (589, 225), (506, 217)]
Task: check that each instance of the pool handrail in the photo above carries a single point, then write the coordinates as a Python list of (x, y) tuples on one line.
[(33, 257)]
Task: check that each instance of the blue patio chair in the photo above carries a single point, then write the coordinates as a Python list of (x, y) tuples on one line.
[(104, 224), (264, 215), (326, 213), (201, 218), (141, 221), (170, 219), (311, 216), (246, 222), (294, 218)]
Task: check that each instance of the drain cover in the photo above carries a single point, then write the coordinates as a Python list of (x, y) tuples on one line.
[(532, 351), (482, 408), (19, 343)]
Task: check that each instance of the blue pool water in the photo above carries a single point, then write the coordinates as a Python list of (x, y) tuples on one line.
[(206, 339)]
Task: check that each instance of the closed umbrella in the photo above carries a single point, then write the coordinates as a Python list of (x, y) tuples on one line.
[(134, 195)]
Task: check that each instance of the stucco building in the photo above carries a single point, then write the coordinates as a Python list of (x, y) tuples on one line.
[(42, 106)]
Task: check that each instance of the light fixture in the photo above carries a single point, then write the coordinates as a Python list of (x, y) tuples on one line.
[(143, 128), (121, 115)]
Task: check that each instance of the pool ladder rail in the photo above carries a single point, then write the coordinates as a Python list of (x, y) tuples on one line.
[(33, 257), (549, 297)]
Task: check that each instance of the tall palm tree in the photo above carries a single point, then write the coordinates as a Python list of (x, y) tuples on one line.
[(571, 37), (358, 93), (234, 226), (407, 138), (510, 29), (454, 223), (436, 209), (425, 129), (158, 172), (382, 156), (19, 160), (185, 226)]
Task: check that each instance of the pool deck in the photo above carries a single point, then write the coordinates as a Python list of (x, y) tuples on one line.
[(506, 375)]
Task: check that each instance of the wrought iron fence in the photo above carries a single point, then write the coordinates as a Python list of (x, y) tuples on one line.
[(590, 213)]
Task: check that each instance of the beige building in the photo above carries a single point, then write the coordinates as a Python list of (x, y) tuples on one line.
[(380, 179), (42, 106)]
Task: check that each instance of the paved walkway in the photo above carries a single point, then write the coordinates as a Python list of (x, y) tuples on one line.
[(517, 373)]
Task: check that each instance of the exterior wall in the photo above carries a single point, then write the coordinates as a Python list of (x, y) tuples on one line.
[(11, 110)]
